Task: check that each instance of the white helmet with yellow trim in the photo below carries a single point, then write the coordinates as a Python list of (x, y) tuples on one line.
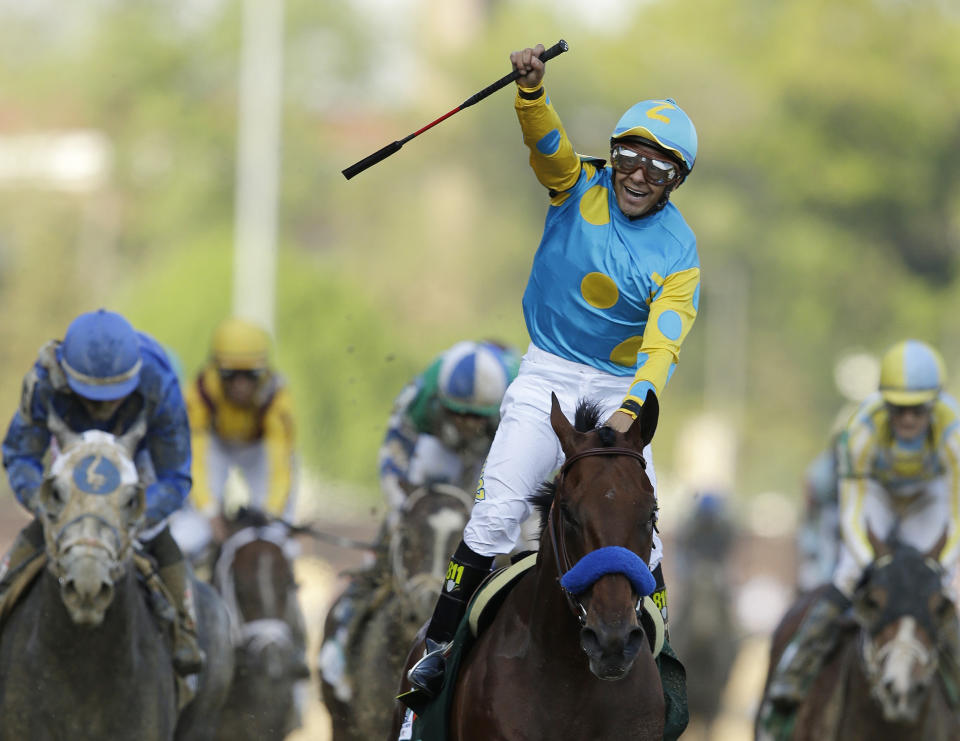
[(911, 373)]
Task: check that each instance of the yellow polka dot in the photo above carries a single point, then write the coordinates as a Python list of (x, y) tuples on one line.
[(626, 352), (599, 290), (593, 206)]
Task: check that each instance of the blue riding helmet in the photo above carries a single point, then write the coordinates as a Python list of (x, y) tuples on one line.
[(664, 125), (100, 356)]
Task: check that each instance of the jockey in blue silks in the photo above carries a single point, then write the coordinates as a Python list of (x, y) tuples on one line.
[(105, 375), (613, 291)]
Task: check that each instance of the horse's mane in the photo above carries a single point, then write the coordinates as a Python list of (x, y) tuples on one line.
[(585, 419)]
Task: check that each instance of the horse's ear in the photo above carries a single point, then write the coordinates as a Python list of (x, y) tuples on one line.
[(937, 548), (880, 546), (641, 432), (561, 425), (131, 438), (59, 429)]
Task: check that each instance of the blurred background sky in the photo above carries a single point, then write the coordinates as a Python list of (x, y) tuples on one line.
[(825, 198)]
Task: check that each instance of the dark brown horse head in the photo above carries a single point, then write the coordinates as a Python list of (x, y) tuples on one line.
[(598, 518), (903, 610), (256, 580), (91, 505)]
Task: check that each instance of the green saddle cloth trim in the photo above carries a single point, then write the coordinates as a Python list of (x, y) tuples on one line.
[(433, 723), (673, 678)]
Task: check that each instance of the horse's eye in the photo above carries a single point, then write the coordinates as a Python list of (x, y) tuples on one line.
[(568, 519), (941, 606), (58, 498)]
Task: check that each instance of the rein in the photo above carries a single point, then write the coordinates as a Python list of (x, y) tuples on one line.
[(560, 546)]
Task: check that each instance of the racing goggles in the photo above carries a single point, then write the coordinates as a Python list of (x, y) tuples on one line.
[(914, 410), (229, 374), (655, 171)]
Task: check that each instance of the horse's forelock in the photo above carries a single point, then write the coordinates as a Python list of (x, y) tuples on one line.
[(587, 416)]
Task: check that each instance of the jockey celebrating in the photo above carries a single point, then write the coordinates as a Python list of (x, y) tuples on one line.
[(240, 416), (444, 420), (899, 467), (612, 293), (104, 376)]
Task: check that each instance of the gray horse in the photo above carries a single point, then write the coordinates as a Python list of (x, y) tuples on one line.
[(82, 652), (391, 604)]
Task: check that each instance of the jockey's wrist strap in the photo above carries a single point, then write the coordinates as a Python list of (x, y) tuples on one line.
[(530, 93), (630, 407)]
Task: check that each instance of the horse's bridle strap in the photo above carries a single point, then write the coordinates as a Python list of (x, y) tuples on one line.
[(630, 452), (559, 546)]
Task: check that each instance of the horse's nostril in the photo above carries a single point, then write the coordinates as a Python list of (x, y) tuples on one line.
[(589, 641), (635, 641), (105, 594)]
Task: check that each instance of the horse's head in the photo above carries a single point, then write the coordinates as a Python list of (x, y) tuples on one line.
[(598, 520), (431, 522), (903, 612), (91, 504)]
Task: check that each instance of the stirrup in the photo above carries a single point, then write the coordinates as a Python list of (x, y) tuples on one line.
[(426, 676), (188, 660)]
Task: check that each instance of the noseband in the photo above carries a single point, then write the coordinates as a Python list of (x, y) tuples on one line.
[(559, 545), (115, 554)]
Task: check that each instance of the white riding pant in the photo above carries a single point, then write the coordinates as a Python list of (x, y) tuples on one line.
[(526, 450), (190, 528), (923, 518)]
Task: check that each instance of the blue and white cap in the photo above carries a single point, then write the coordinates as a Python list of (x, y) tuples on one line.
[(100, 356), (662, 123), (473, 378), (911, 372)]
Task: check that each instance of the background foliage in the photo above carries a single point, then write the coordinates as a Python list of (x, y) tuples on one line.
[(825, 198)]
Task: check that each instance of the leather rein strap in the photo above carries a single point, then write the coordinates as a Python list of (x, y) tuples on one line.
[(559, 545)]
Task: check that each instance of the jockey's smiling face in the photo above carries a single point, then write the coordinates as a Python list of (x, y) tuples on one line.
[(909, 422), (634, 191)]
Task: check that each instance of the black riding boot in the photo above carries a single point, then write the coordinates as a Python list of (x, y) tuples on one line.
[(188, 657), (464, 574)]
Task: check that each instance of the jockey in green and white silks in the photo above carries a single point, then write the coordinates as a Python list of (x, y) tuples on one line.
[(443, 421), (613, 291)]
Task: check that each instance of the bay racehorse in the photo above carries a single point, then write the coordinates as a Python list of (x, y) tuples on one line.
[(566, 655), (83, 655), (883, 680), (390, 607), (256, 580)]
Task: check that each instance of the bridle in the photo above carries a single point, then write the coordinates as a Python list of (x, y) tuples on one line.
[(559, 545)]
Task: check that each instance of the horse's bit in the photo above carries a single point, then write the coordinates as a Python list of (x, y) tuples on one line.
[(559, 545)]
